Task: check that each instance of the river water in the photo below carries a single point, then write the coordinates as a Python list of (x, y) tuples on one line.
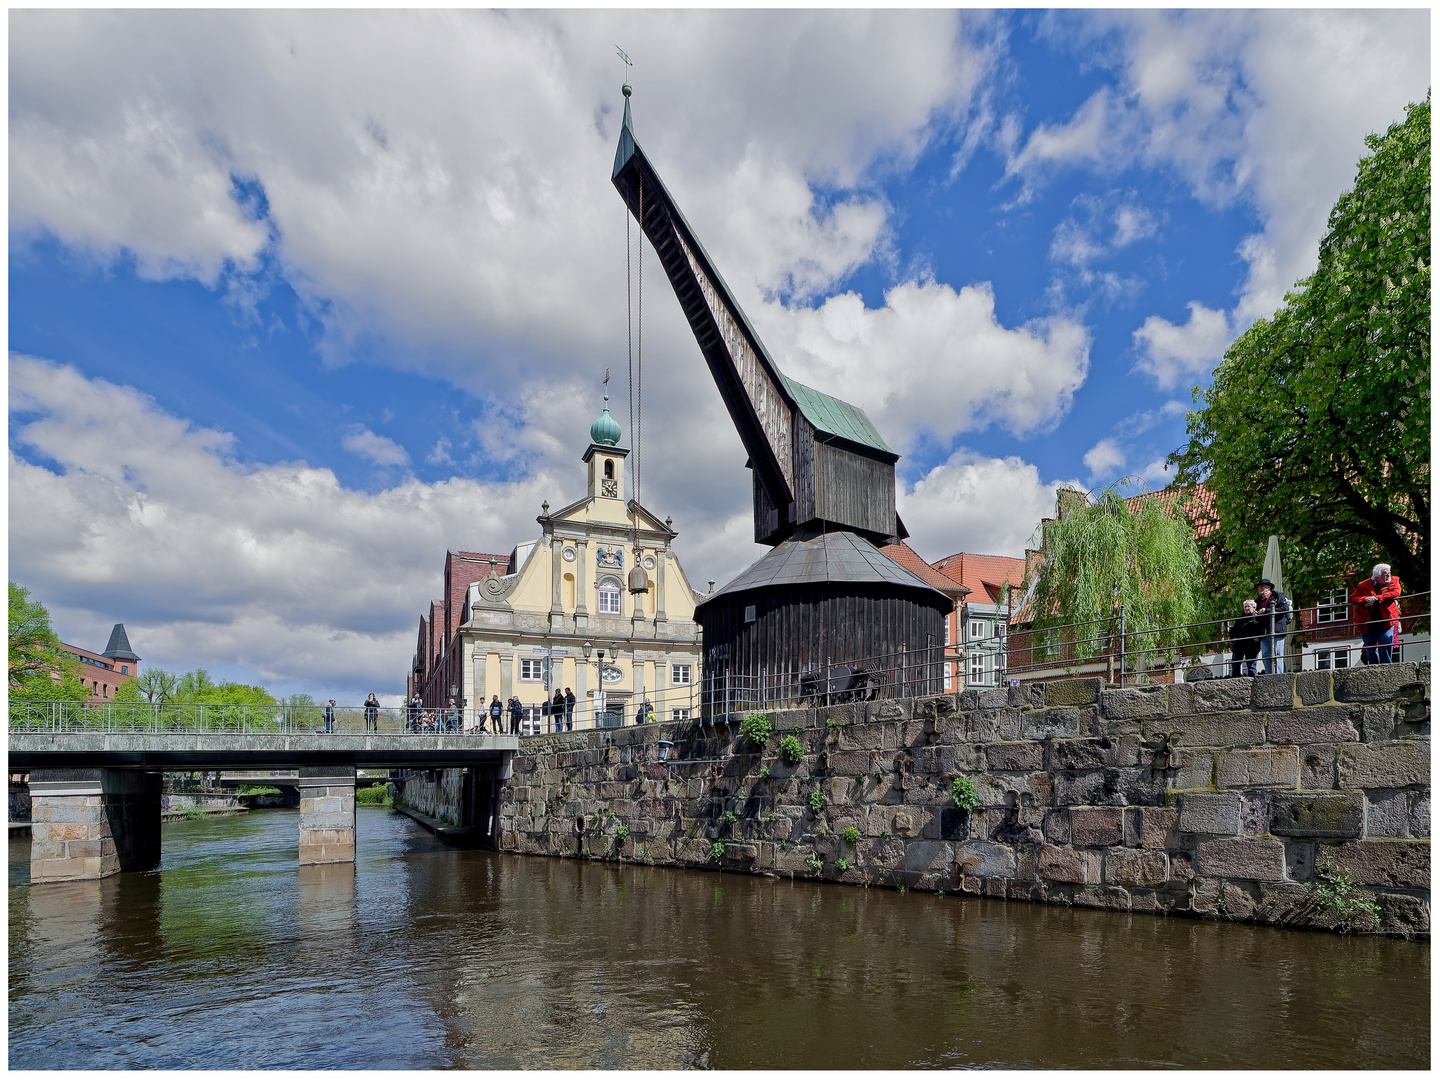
[(420, 956)]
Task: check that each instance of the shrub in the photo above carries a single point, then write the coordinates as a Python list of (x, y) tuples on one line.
[(790, 750), (963, 792), (756, 729), (717, 851), (622, 834), (831, 725), (817, 803), (842, 865), (371, 796), (851, 836), (262, 789), (765, 773), (879, 774), (1335, 888), (729, 817), (814, 864)]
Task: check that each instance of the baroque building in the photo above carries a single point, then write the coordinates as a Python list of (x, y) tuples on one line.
[(522, 624)]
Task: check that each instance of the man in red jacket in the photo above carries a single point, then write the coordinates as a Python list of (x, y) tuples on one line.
[(1375, 609)]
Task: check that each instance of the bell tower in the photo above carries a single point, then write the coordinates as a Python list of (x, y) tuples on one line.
[(604, 455)]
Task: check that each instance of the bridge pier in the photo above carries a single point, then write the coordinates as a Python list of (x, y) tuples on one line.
[(91, 823), (327, 814)]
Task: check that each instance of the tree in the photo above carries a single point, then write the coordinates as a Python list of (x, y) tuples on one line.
[(35, 654), (1317, 424), (154, 684), (1115, 553)]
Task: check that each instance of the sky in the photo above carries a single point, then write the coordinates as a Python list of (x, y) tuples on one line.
[(300, 300)]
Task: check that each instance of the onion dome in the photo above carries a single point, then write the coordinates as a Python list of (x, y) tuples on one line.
[(606, 429)]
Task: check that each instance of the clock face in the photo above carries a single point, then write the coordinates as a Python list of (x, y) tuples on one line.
[(649, 562), (610, 489), (611, 674), (568, 554)]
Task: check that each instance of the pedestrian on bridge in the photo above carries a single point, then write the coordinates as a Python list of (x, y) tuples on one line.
[(330, 717), (569, 709), (452, 718), (413, 714), (516, 710), (372, 713), (558, 710), (497, 715)]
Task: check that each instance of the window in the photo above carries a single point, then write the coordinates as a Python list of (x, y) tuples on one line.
[(1326, 659), (531, 670), (124, 669), (1331, 608), (679, 674), (947, 630), (749, 613), (977, 669), (609, 470), (609, 597), (948, 685), (679, 714), (977, 629)]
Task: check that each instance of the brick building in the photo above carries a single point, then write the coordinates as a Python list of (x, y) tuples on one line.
[(102, 673)]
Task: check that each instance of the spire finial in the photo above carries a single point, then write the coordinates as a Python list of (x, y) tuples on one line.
[(628, 65), (606, 382)]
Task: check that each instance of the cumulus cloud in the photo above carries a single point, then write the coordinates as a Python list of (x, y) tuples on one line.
[(376, 449), (1105, 458), (978, 504), (1170, 353)]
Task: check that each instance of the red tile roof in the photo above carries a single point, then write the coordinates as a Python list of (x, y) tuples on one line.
[(1196, 503), (984, 575), (907, 557)]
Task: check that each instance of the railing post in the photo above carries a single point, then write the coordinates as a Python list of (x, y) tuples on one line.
[(1122, 644)]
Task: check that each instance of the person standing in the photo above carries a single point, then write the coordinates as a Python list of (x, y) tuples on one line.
[(1245, 635), (557, 710), (497, 715), (516, 711), (452, 717), (412, 714), (372, 713), (569, 709), (1375, 607), (330, 717), (1274, 609)]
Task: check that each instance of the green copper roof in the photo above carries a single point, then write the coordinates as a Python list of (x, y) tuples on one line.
[(606, 429), (831, 416)]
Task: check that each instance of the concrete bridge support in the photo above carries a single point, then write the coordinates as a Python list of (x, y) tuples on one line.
[(92, 823), (327, 814)]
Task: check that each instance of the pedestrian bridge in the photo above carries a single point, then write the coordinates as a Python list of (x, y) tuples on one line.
[(95, 777)]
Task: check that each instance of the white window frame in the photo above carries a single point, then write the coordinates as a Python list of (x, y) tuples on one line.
[(608, 587), (977, 669), (680, 674), (532, 670), (947, 631), (977, 630), (678, 715), (949, 677), (1325, 659), (1333, 607)]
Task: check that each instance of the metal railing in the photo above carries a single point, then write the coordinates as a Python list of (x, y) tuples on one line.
[(900, 674), (187, 718)]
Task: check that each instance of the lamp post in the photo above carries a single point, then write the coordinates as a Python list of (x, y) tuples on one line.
[(598, 709), (454, 716)]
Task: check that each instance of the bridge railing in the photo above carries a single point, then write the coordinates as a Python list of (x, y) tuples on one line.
[(173, 718)]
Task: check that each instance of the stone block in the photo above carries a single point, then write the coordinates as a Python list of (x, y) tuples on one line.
[(1299, 860), (1398, 864), (1073, 692), (1377, 722), (1145, 869), (1196, 770), (1408, 915), (954, 823), (1387, 813), (1222, 730), (981, 858), (1057, 826), (1420, 814), (1377, 682), (1254, 817), (1321, 816), (1066, 864), (1056, 723), (1313, 687), (1259, 860), (1273, 692), (1133, 703), (1214, 815), (1093, 826), (1321, 724), (1159, 828), (1182, 866), (1405, 764), (907, 822), (1085, 788), (1317, 766), (1015, 757), (1222, 695), (1077, 754), (1259, 768), (1107, 898), (997, 698)]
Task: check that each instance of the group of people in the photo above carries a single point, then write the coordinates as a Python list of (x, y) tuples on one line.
[(1257, 637), (372, 714)]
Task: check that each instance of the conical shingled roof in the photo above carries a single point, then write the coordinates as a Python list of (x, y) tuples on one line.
[(119, 647), (831, 557)]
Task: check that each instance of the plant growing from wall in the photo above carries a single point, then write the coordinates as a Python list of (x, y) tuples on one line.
[(842, 865), (851, 835), (717, 851), (817, 802), (791, 751), (884, 836), (622, 834), (831, 725), (756, 729), (962, 791), (814, 864), (765, 773), (1334, 887), (878, 774), (729, 817)]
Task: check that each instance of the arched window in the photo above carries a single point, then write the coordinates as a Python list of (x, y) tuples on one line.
[(609, 469), (609, 596)]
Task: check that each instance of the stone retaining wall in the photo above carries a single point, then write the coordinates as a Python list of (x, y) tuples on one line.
[(1212, 799)]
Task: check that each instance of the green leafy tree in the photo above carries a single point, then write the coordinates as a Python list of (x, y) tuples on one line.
[(1115, 553), (154, 685), (198, 688), (35, 654), (1317, 424)]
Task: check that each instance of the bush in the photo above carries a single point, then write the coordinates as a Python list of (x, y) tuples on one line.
[(791, 751), (258, 789), (1335, 887), (717, 851), (851, 836), (729, 817), (814, 864), (765, 773), (842, 865), (817, 803), (963, 792), (375, 795), (756, 729), (622, 834)]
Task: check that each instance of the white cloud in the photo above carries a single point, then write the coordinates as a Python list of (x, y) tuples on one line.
[(376, 449), (933, 360), (978, 504), (1132, 223), (1157, 473), (1105, 458), (1170, 353)]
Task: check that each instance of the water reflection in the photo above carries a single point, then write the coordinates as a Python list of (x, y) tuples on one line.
[(422, 956)]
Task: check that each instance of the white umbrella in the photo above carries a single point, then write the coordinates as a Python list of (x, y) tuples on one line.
[(1273, 572)]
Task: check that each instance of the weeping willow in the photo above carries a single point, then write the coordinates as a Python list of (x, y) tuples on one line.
[(1113, 556)]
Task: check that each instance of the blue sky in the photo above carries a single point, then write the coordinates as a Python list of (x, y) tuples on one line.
[(298, 301)]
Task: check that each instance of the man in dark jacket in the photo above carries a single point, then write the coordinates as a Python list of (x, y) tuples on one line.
[(569, 709), (1271, 604), (516, 711), (497, 715), (557, 710), (1245, 633), (372, 713)]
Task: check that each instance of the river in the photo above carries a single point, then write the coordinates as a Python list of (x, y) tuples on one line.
[(420, 956)]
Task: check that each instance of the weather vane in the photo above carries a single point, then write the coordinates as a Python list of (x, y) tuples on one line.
[(628, 62)]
